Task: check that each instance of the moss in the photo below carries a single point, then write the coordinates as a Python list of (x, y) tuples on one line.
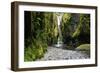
[(42, 32), (66, 17), (83, 26), (76, 33), (85, 48)]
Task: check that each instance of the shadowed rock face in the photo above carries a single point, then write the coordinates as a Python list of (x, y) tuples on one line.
[(69, 26), (62, 54), (75, 19)]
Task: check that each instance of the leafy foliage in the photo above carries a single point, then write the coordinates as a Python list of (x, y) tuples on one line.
[(35, 51), (41, 31)]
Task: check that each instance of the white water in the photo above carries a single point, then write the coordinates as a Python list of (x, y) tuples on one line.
[(59, 42)]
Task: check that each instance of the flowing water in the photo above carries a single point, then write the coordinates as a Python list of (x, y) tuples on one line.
[(59, 42)]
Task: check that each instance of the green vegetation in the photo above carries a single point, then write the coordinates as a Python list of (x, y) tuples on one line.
[(41, 31), (84, 47), (35, 51), (83, 29)]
